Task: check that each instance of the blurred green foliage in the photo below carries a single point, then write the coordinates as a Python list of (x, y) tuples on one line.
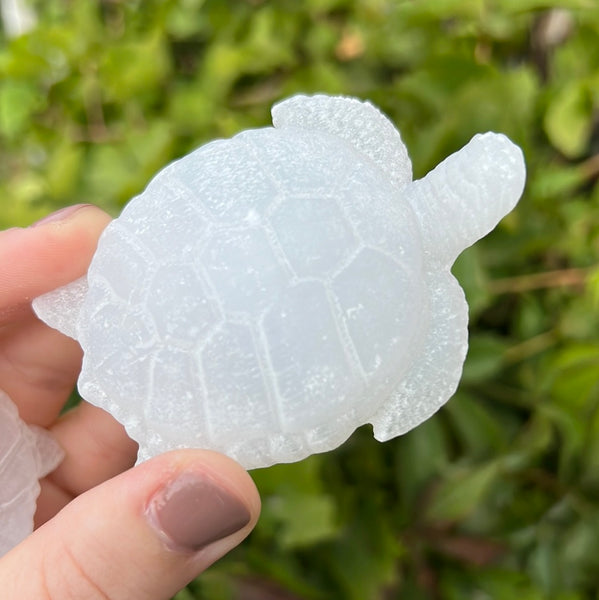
[(495, 497)]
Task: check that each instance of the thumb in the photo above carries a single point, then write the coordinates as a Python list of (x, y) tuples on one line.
[(143, 534)]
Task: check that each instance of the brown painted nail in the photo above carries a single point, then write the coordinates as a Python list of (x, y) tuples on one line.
[(59, 215), (193, 511)]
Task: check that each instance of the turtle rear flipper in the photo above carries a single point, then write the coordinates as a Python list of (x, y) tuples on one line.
[(436, 371), (60, 308)]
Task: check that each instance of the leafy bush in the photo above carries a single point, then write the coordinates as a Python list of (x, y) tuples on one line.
[(497, 496)]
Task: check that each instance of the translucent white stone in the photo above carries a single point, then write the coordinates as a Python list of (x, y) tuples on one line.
[(268, 294), (27, 453)]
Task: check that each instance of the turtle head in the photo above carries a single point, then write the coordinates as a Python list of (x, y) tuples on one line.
[(466, 195)]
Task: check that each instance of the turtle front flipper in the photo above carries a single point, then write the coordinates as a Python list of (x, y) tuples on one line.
[(436, 371), (466, 195), (359, 123), (60, 308)]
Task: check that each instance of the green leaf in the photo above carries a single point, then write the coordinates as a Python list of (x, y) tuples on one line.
[(533, 442), (523, 6), (422, 455), (303, 519), (462, 491), (64, 169), (556, 181), (19, 100), (471, 274), (485, 357), (296, 508), (575, 374), (304, 476), (134, 68), (478, 429), (568, 120), (579, 552), (593, 288), (364, 560)]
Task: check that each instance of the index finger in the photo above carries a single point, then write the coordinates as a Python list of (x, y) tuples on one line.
[(45, 256), (39, 366)]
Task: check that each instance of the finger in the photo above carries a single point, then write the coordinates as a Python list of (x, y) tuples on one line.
[(38, 369), (48, 254), (144, 534), (38, 365), (96, 448), (51, 500)]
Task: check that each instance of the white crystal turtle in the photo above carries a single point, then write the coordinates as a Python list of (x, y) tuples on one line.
[(267, 294), (27, 453)]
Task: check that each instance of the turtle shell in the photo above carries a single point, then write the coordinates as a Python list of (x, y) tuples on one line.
[(262, 298), (26, 454)]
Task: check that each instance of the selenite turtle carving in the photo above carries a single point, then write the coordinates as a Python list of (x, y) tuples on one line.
[(27, 453), (267, 294)]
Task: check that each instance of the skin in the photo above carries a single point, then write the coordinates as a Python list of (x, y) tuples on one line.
[(93, 538)]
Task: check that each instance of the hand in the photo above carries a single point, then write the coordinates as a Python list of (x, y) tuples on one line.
[(105, 530)]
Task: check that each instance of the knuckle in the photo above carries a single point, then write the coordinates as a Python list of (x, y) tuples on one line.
[(68, 578)]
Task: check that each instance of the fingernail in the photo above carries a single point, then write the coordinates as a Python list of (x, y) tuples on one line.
[(191, 512), (59, 215)]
